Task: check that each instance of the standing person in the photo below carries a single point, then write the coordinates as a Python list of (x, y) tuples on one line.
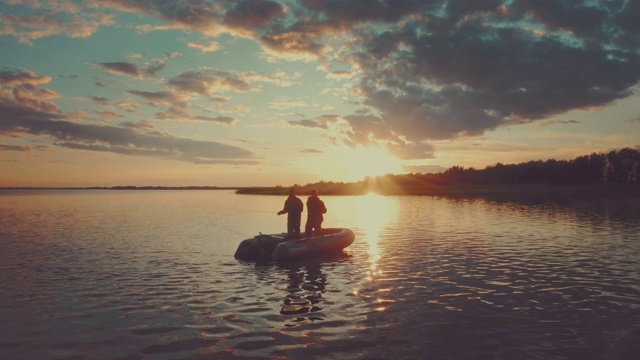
[(292, 206), (315, 209)]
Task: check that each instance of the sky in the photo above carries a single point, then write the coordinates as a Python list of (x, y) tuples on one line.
[(266, 93)]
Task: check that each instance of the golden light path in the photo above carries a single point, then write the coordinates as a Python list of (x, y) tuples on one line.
[(375, 213)]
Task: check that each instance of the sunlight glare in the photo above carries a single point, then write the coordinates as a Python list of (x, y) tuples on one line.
[(370, 161), (375, 212)]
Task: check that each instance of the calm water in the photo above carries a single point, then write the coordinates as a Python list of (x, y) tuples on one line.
[(151, 275)]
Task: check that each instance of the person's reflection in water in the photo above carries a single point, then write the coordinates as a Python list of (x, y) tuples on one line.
[(306, 285)]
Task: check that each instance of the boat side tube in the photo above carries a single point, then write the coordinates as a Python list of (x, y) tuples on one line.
[(330, 240)]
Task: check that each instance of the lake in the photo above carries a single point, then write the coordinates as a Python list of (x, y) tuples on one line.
[(103, 274)]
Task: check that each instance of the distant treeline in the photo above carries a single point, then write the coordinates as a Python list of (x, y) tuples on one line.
[(167, 188), (614, 167), (618, 166)]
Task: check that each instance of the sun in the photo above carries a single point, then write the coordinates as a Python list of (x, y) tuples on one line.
[(369, 161)]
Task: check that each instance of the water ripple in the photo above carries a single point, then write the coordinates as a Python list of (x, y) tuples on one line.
[(424, 276)]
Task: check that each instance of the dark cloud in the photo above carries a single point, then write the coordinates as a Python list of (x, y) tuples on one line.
[(428, 70), (311, 151), (15, 77), (209, 18), (17, 119), (25, 109), (107, 114), (98, 99), (207, 81), (304, 43), (309, 123), (160, 97), (132, 69), (179, 108), (628, 17), (122, 68), (577, 17), (202, 83), (355, 11), (560, 122), (4, 147), (466, 70), (321, 122), (151, 69), (192, 14), (253, 14), (635, 120)]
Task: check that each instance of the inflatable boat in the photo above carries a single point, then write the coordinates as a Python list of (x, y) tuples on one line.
[(281, 247)]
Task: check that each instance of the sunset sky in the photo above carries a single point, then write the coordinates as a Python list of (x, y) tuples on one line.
[(260, 92)]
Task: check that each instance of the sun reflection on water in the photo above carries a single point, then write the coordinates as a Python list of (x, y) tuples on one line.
[(375, 212)]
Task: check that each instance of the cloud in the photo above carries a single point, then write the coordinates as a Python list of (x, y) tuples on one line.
[(160, 97), (238, 18), (309, 123), (206, 81), (228, 120), (179, 109), (132, 69), (25, 109), (107, 114), (252, 15), (122, 68), (279, 78), (311, 151), (53, 18), (282, 103), (178, 113), (127, 105), (321, 122), (15, 77), (211, 46), (17, 119), (340, 75), (4, 147), (560, 122), (455, 68), (98, 99), (295, 45), (151, 69), (23, 87), (635, 120), (423, 70)]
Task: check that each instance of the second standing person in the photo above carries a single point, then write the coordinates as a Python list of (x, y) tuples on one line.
[(315, 210)]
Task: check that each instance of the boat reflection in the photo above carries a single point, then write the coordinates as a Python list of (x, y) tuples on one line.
[(306, 284)]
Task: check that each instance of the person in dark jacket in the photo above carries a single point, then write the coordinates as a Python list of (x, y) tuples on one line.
[(292, 206), (315, 209)]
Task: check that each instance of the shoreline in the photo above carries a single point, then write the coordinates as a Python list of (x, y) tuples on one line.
[(360, 189), (520, 190)]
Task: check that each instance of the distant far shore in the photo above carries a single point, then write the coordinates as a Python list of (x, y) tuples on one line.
[(465, 190), (504, 191), (128, 188)]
